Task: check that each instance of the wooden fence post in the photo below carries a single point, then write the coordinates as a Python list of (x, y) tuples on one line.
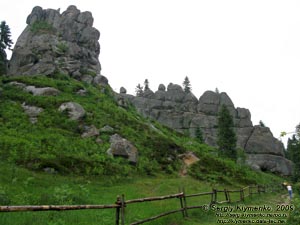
[(181, 203), (214, 196), (242, 194), (184, 203), (123, 210), (227, 195), (118, 202)]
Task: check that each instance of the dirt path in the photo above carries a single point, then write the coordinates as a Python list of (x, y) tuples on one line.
[(285, 199)]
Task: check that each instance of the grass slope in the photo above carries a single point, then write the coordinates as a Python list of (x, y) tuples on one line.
[(85, 173)]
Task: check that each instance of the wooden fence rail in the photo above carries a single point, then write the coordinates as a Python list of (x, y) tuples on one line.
[(121, 203)]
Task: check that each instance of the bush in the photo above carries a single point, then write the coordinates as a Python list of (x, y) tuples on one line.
[(65, 195), (41, 27), (296, 187), (4, 199), (294, 218), (62, 47)]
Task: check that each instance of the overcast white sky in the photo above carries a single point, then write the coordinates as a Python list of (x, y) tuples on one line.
[(248, 49)]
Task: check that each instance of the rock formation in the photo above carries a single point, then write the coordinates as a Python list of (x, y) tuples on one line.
[(123, 148), (68, 43), (54, 42), (185, 113), (32, 112), (74, 110)]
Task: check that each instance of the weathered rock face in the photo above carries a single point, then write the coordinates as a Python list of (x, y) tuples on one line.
[(52, 42), (267, 162), (185, 113), (32, 112), (123, 148), (74, 110)]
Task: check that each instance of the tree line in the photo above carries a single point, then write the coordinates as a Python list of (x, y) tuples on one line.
[(293, 152)]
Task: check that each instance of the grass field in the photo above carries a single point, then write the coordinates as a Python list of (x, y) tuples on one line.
[(31, 188)]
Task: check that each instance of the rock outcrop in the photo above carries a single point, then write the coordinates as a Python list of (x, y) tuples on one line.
[(185, 113), (74, 110), (58, 42), (90, 131), (123, 148), (32, 112)]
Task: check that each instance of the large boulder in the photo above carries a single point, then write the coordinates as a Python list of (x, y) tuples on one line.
[(32, 112), (74, 110), (90, 131), (43, 91), (267, 162), (261, 141), (123, 148), (54, 42)]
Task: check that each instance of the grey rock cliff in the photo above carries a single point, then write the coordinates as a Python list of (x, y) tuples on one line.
[(53, 42), (185, 113)]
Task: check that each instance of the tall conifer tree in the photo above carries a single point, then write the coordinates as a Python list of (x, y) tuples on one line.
[(5, 42), (187, 85), (226, 138)]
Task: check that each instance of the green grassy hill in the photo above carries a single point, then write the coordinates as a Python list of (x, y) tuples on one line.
[(83, 173)]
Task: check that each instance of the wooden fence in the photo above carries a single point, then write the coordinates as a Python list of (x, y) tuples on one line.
[(121, 203)]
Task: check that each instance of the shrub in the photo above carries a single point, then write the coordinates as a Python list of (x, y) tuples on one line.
[(4, 199), (294, 218), (296, 187), (62, 47), (41, 27)]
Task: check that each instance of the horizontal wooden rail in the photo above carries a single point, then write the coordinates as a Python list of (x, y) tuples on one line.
[(198, 207), (154, 198), (199, 194), (54, 207), (232, 191), (156, 217)]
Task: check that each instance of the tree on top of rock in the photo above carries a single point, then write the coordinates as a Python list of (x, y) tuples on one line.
[(187, 87), (5, 42), (139, 90), (146, 83), (262, 124), (226, 137)]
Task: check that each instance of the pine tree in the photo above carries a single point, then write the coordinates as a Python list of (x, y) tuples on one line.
[(5, 42), (226, 137), (293, 153), (262, 124), (199, 135), (139, 90), (187, 85), (146, 83)]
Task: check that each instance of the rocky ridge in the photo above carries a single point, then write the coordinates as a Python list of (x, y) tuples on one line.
[(185, 113), (68, 43)]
